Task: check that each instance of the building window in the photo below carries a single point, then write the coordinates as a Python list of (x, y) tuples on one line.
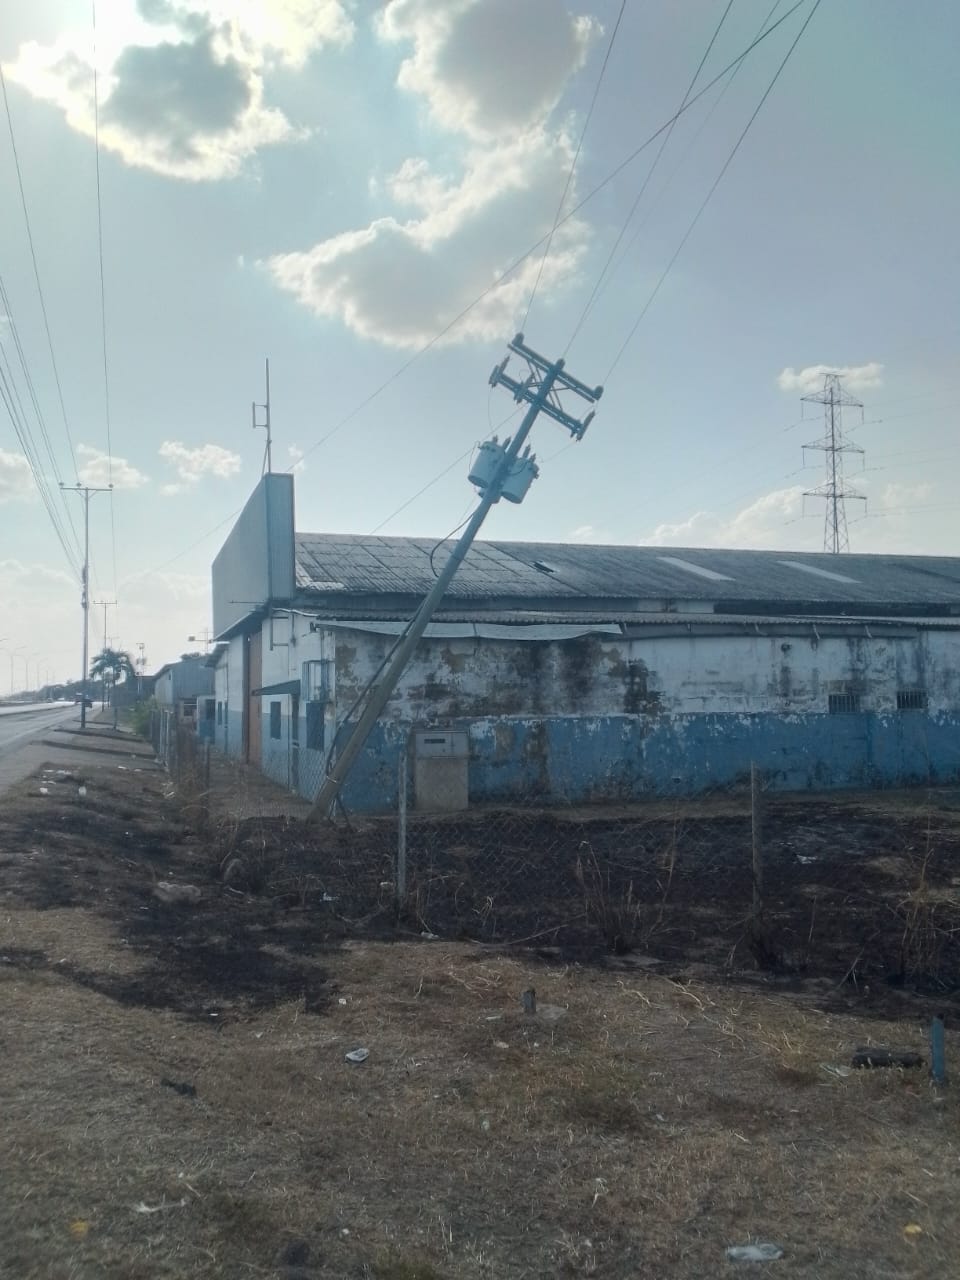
[(912, 700), (219, 713), (209, 708), (315, 726), (840, 703), (275, 720)]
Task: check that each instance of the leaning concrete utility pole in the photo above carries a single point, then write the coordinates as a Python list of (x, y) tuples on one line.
[(87, 491), (499, 471)]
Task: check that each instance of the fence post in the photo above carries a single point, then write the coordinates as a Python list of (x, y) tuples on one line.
[(205, 799), (402, 831), (756, 830)]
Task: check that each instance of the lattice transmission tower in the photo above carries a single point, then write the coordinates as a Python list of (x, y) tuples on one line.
[(834, 446)]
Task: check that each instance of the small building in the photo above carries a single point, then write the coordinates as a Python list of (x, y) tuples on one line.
[(188, 686), (574, 673)]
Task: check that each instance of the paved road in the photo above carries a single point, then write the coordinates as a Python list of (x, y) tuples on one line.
[(20, 753)]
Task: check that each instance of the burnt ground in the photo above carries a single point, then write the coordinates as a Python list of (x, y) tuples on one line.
[(177, 1101), (859, 892), (107, 852), (862, 891)]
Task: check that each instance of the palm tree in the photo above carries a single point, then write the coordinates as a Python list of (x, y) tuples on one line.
[(115, 664)]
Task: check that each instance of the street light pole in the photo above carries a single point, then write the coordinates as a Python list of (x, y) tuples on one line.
[(86, 491)]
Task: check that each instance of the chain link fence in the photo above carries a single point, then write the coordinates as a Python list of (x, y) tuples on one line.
[(858, 888)]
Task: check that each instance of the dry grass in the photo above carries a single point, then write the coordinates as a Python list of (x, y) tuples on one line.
[(636, 1126), (640, 1133)]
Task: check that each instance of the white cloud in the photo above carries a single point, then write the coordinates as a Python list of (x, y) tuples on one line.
[(447, 234), (472, 62), (100, 470), (400, 281), (20, 581), (760, 524), (288, 30), (193, 464), (149, 590), (182, 81), (16, 482), (589, 533), (896, 495), (297, 464), (855, 377), (891, 521)]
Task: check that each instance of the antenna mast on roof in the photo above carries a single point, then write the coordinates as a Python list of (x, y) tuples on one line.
[(265, 425), (832, 444)]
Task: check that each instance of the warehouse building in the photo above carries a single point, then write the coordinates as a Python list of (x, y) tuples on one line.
[(572, 673)]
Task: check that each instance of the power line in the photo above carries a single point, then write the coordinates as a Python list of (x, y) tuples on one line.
[(143, 573), (638, 230), (667, 129), (420, 492), (646, 182), (446, 470), (32, 393), (36, 269), (716, 182), (508, 271), (103, 296), (13, 404), (573, 165)]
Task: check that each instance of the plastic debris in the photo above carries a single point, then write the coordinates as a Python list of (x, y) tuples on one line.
[(342, 1000), (80, 1228), (835, 1069), (551, 1012), (430, 937), (176, 894), (82, 792), (528, 999), (44, 791), (754, 1252), (159, 1208), (358, 1055), (912, 1231)]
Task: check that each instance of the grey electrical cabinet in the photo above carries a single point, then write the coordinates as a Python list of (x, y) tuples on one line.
[(441, 759)]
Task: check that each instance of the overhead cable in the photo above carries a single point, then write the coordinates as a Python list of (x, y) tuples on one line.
[(706, 200), (13, 404), (505, 274), (664, 142), (36, 270), (103, 297), (573, 165)]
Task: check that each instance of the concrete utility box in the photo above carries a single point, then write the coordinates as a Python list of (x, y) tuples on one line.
[(440, 761)]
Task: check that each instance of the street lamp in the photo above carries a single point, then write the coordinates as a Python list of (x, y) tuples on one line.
[(13, 653)]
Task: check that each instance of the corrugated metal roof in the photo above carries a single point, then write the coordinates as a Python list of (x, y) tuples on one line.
[(345, 565), (616, 619)]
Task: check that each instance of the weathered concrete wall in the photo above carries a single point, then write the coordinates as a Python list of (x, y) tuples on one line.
[(604, 717), (229, 693)]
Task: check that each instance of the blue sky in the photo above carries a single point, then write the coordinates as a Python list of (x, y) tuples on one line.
[(329, 183)]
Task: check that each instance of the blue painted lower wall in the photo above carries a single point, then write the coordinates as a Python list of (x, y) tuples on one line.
[(580, 760), (617, 758)]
